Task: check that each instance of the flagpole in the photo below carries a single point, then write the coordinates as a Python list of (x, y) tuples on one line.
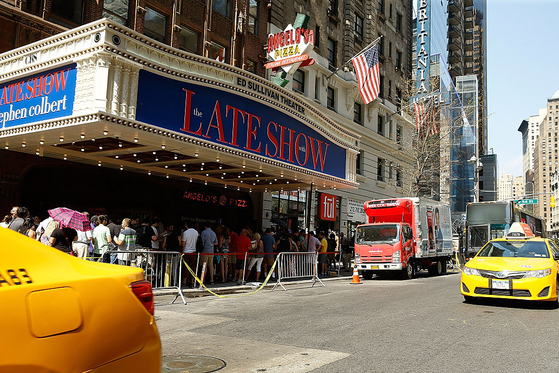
[(357, 55)]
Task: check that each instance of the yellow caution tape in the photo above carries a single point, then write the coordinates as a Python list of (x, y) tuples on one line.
[(236, 295)]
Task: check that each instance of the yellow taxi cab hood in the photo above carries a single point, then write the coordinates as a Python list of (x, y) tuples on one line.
[(510, 264)]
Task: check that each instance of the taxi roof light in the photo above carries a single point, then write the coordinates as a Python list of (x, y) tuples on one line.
[(520, 230), (142, 289)]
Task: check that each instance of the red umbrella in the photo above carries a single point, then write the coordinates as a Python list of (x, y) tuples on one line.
[(70, 218)]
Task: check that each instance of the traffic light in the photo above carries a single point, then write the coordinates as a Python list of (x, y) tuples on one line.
[(552, 203)]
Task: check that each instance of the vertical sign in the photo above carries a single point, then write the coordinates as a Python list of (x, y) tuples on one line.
[(423, 29), (327, 207)]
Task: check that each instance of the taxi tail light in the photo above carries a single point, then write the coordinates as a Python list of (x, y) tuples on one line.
[(142, 289)]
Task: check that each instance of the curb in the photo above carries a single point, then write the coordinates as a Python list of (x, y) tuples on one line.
[(232, 289)]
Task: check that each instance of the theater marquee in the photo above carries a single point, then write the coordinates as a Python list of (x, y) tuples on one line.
[(234, 121)]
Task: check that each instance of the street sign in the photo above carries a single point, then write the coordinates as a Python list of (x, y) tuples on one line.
[(531, 201)]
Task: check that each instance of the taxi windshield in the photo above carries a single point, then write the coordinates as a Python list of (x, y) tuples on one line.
[(515, 249), (376, 234)]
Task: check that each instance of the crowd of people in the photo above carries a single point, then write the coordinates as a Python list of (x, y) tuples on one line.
[(225, 252)]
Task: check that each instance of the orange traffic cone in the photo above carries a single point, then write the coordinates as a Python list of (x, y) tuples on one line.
[(355, 276)]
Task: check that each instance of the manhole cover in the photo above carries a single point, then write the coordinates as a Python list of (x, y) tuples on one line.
[(191, 364)]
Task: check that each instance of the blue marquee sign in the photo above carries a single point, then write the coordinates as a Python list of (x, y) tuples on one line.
[(230, 120), (39, 97)]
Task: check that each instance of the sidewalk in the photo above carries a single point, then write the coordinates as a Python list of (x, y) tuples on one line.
[(231, 287)]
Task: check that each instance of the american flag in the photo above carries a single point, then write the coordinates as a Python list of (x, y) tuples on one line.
[(424, 116), (367, 70), (419, 115)]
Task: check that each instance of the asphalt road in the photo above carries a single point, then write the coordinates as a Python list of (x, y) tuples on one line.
[(419, 325)]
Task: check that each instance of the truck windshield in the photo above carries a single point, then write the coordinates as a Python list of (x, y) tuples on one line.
[(376, 234)]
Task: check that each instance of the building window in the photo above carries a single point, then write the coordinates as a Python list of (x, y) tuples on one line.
[(251, 66), (399, 135), (317, 88), (381, 45), (299, 81), (155, 25), (223, 7), (358, 27), (189, 40), (71, 10), (357, 113), (390, 50), (380, 125), (116, 10), (253, 17), (317, 37), (398, 60), (331, 99), (332, 7), (381, 87), (331, 53), (381, 6), (389, 88), (218, 52), (399, 178), (398, 22), (380, 169), (359, 169)]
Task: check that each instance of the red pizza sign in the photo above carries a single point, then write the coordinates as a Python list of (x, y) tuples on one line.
[(289, 49), (327, 207)]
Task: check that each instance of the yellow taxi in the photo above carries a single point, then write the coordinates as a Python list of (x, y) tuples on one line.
[(64, 314), (518, 266)]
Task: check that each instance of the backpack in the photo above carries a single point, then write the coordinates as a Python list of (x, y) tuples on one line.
[(143, 236)]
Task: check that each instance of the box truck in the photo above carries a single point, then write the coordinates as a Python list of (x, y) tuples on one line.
[(404, 235)]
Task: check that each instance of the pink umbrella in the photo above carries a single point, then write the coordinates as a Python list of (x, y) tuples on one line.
[(70, 218)]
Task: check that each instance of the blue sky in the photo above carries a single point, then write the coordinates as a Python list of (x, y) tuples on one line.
[(522, 71)]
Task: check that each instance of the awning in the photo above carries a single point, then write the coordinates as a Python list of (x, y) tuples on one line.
[(105, 95)]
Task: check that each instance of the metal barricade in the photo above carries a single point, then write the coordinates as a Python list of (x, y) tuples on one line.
[(297, 265), (162, 269)]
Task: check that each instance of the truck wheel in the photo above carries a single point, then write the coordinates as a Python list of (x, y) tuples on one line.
[(409, 271), (367, 275), (443, 266), (435, 269)]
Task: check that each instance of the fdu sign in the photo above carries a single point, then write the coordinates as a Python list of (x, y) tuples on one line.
[(43, 96)]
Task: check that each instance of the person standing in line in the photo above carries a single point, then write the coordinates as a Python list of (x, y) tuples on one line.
[(81, 245), (94, 223), (269, 243), (20, 214), (256, 258), (346, 254), (62, 238), (224, 247), (6, 221), (209, 239), (188, 247), (322, 257), (243, 246), (101, 237), (233, 258), (126, 241), (115, 229)]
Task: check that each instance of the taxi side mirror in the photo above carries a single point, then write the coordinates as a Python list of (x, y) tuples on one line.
[(556, 256)]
